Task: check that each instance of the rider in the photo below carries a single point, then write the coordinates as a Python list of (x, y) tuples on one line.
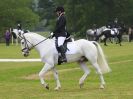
[(115, 23), (94, 28), (19, 27), (60, 32)]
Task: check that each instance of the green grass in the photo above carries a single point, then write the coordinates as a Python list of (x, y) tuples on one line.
[(13, 85), (14, 51)]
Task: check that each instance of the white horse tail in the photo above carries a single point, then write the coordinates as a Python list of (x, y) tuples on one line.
[(101, 59)]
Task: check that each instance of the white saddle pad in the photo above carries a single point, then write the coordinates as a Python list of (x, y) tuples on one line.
[(72, 48)]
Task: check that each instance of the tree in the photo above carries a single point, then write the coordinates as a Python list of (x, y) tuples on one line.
[(46, 11), (81, 14), (12, 11)]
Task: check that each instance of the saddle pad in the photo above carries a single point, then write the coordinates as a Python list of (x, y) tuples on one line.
[(71, 48)]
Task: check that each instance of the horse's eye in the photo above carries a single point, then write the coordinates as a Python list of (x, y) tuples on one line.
[(22, 42)]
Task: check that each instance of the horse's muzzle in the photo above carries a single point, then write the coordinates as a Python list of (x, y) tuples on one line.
[(25, 52)]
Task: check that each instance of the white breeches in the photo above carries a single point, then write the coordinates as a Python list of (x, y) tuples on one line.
[(61, 41)]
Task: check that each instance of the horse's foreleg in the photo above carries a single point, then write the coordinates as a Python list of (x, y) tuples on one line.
[(100, 74), (42, 73), (56, 78), (84, 67), (105, 39)]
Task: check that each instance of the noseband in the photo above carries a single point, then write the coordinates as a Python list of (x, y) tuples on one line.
[(26, 48)]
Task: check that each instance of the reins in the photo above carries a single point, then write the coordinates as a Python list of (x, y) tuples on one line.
[(40, 41)]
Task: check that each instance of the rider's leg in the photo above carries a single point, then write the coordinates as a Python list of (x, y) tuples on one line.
[(61, 48)]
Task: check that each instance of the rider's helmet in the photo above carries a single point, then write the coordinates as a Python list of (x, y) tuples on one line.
[(60, 8)]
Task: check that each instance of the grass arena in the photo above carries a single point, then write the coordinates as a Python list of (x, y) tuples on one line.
[(19, 80)]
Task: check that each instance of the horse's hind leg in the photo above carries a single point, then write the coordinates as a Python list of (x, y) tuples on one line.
[(119, 38), (84, 67), (99, 73), (111, 40)]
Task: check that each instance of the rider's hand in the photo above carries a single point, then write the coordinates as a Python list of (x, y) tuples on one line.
[(51, 33)]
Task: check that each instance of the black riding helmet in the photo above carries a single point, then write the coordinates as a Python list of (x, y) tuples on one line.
[(60, 8)]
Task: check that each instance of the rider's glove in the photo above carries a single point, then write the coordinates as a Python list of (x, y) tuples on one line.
[(51, 33)]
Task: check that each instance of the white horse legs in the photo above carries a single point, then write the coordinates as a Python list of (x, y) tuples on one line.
[(42, 73), (44, 70), (84, 67), (100, 75), (56, 78)]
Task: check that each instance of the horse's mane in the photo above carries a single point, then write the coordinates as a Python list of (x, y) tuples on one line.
[(36, 35)]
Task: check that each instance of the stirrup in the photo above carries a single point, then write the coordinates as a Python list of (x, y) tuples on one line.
[(61, 60)]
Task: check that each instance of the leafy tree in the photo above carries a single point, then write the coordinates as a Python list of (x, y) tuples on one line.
[(12, 11), (81, 14), (46, 12)]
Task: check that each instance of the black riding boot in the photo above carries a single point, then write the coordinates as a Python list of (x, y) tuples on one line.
[(63, 56)]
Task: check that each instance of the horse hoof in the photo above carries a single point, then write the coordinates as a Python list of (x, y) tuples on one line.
[(57, 88), (101, 86), (81, 85), (47, 86)]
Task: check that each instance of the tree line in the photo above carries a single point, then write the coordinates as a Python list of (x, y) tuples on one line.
[(17, 11), (81, 14)]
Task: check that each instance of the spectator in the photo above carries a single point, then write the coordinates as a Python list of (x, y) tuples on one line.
[(130, 32), (7, 37)]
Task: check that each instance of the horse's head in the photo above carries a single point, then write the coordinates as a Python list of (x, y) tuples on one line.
[(89, 32), (26, 43)]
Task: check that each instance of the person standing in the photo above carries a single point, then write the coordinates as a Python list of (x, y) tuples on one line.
[(130, 32), (7, 37)]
